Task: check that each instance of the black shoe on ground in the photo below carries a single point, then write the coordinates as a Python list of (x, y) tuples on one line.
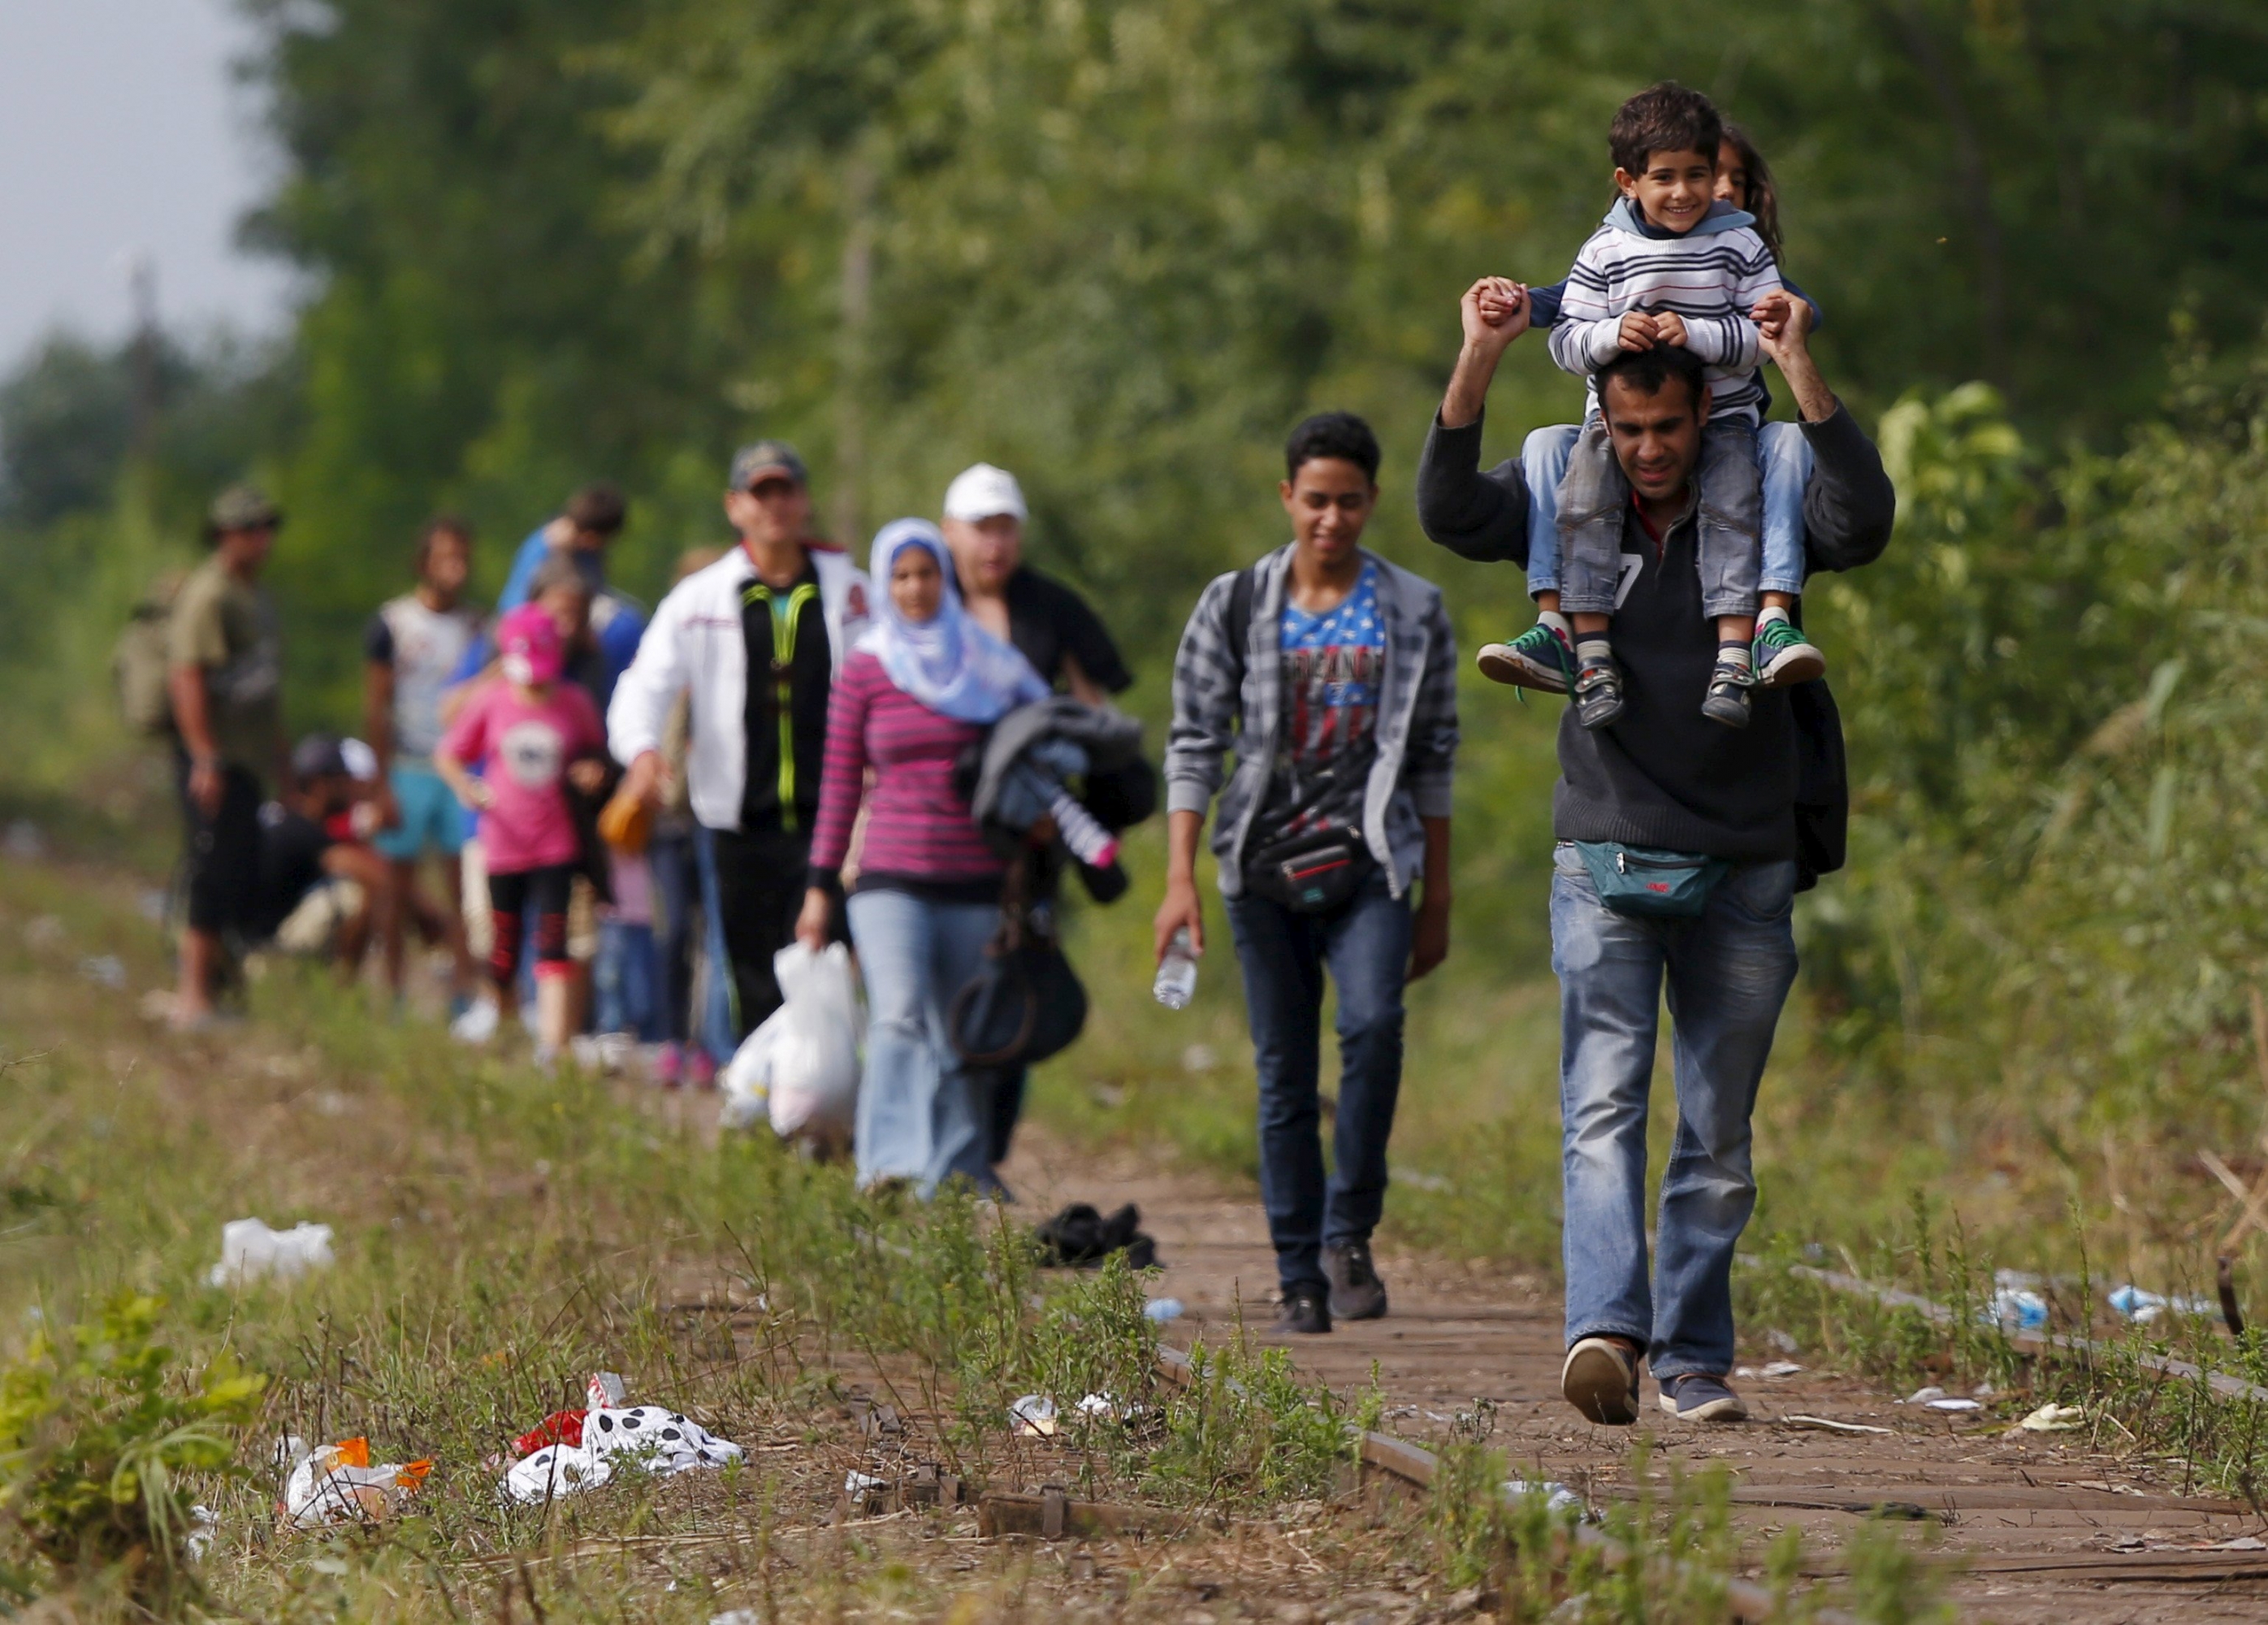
[(1598, 692), (1357, 1293), (1728, 699), (1303, 1312)]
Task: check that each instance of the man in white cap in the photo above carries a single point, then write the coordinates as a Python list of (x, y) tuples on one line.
[(1066, 642), (984, 516)]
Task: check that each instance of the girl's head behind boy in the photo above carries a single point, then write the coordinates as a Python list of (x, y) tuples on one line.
[(529, 642), (1664, 141)]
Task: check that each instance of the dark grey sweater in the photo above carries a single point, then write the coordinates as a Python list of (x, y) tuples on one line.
[(1664, 775)]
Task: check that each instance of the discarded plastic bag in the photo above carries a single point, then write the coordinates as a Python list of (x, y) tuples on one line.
[(249, 1250), (801, 1068), (1033, 1417), (336, 1484), (646, 1436), (2131, 1302), (2054, 1419)]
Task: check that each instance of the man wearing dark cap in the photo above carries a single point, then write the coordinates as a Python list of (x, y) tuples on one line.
[(753, 640), (319, 886), (226, 679), (579, 534)]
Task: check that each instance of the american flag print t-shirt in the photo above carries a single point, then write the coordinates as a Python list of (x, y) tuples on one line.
[(1334, 665)]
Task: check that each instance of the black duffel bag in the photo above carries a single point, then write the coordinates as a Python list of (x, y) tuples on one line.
[(1025, 1003)]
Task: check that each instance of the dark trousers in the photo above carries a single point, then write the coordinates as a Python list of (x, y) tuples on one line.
[(761, 875), (677, 894), (222, 852), (511, 898), (1284, 953)]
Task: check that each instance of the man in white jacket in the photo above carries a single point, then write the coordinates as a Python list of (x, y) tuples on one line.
[(787, 609)]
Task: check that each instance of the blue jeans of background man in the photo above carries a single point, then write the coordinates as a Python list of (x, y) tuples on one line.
[(1783, 457), (626, 982), (917, 1119), (1728, 972), (720, 1032), (1284, 954)]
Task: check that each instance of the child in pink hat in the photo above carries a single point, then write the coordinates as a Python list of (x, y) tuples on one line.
[(530, 734)]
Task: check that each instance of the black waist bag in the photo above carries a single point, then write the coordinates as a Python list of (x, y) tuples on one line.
[(1313, 873), (1025, 1002)]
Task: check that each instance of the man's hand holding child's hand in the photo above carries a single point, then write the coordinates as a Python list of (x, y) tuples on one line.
[(1496, 312), (1783, 321)]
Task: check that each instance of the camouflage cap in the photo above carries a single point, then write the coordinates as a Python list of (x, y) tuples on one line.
[(242, 507), (751, 464)]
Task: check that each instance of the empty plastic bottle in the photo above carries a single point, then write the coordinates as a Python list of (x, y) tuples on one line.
[(1177, 973)]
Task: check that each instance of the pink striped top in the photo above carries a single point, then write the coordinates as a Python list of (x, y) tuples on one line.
[(919, 827)]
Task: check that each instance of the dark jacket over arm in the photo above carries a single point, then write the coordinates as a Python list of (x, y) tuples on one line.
[(1482, 517)]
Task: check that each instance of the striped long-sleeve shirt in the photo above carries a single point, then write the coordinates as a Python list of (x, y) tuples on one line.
[(1711, 276), (919, 831)]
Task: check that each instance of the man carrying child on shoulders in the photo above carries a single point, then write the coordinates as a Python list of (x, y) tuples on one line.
[(1681, 844)]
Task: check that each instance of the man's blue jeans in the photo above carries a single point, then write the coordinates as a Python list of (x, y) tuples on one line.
[(1728, 972), (1284, 953)]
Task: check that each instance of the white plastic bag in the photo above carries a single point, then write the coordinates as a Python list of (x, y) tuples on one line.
[(250, 1250), (801, 1068), (661, 1440)]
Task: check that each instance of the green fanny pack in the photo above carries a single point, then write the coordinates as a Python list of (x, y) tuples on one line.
[(1646, 880)]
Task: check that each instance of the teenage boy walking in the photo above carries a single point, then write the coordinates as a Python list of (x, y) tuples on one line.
[(226, 678), (411, 651), (1332, 674), (1666, 795), (753, 640)]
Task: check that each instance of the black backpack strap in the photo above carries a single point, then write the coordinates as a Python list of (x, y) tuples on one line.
[(1240, 617)]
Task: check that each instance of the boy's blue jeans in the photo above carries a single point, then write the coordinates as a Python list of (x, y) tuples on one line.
[(917, 1119), (626, 982), (1365, 946), (1728, 972), (1783, 456)]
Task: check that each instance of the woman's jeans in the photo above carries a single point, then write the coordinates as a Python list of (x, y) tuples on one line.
[(917, 1119), (1284, 953), (1783, 456), (1728, 972)]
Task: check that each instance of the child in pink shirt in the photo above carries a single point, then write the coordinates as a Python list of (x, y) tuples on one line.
[(531, 734)]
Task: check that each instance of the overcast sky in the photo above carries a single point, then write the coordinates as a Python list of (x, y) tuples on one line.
[(123, 134)]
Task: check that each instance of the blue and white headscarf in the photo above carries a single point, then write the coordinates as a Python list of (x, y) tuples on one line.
[(947, 663)]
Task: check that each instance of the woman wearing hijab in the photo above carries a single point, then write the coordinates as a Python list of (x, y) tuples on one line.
[(922, 683)]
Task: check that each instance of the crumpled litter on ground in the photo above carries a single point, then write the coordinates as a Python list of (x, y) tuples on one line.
[(1164, 1311), (2131, 1302), (204, 1522), (104, 971), (1937, 1399), (336, 1484), (250, 1250), (2053, 1418), (655, 1439), (1033, 1417), (1557, 1497), (2017, 1303)]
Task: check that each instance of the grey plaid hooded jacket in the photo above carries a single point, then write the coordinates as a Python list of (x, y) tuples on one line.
[(1417, 717)]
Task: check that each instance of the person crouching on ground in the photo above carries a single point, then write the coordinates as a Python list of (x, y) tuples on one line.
[(531, 734), (1332, 674), (922, 685)]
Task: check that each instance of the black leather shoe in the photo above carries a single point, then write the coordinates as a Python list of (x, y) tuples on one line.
[(1303, 1312), (1357, 1293)]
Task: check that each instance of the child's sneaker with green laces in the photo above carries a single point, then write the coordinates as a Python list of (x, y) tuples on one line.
[(1782, 654), (1540, 658)]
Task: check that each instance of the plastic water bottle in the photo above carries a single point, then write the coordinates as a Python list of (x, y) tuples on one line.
[(1177, 973)]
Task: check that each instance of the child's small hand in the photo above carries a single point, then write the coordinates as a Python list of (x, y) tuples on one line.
[(1638, 330), (588, 775), (1670, 330), (477, 795)]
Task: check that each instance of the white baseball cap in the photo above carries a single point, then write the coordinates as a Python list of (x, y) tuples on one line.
[(983, 491)]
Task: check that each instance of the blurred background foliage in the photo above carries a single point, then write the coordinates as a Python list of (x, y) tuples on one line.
[(1120, 248)]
